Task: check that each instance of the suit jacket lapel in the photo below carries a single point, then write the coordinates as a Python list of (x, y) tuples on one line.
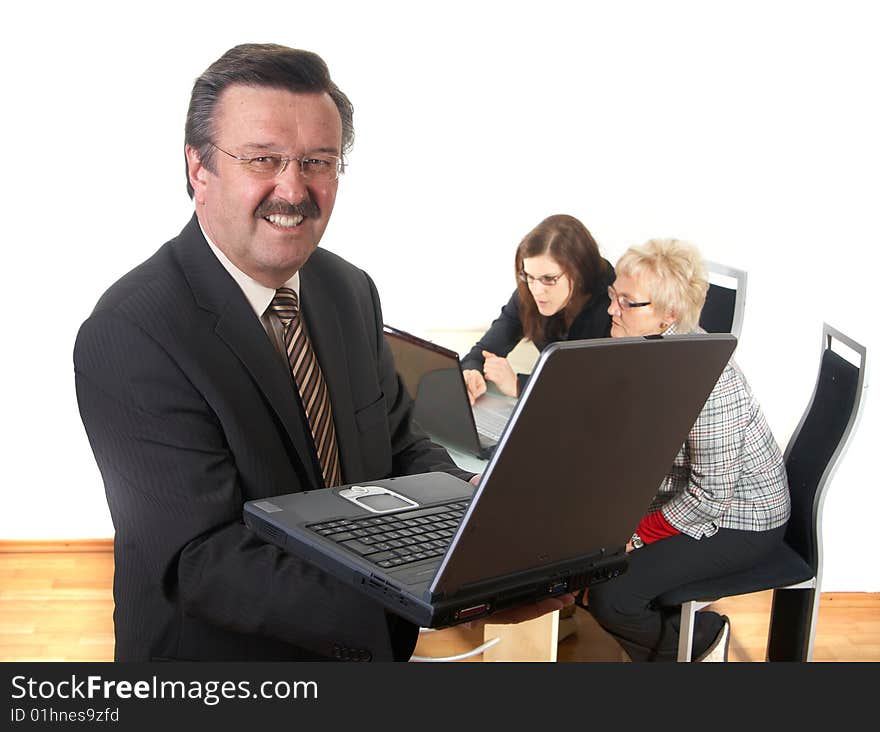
[(328, 339), (239, 328)]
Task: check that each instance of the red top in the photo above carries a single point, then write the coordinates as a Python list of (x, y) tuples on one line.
[(654, 527)]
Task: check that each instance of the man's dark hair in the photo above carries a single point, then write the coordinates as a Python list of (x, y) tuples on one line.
[(259, 65)]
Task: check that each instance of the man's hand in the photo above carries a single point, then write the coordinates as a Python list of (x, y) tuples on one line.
[(475, 383), (499, 371), (522, 613)]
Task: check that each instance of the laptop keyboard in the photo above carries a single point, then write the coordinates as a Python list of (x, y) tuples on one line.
[(490, 424), (393, 539)]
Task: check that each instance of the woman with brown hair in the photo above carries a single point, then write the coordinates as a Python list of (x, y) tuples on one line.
[(561, 294)]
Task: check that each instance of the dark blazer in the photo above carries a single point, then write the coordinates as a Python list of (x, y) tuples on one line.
[(190, 412)]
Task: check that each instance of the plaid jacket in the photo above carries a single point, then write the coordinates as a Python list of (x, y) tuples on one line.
[(729, 473)]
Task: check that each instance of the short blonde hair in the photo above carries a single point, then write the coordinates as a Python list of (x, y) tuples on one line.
[(675, 275)]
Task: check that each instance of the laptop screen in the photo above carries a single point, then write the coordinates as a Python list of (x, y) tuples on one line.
[(415, 357), (432, 376), (591, 439)]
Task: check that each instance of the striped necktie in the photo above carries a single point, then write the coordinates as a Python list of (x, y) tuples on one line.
[(310, 381)]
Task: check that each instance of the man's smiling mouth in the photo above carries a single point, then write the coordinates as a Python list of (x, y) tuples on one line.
[(286, 221)]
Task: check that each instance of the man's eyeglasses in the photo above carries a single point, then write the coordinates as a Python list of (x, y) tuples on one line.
[(623, 301), (546, 280), (319, 167)]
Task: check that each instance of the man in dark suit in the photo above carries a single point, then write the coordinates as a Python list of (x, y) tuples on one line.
[(192, 406)]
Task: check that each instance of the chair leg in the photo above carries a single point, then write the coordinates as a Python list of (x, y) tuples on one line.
[(686, 630), (792, 624)]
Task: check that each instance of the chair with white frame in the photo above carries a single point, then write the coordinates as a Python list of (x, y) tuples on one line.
[(725, 305)]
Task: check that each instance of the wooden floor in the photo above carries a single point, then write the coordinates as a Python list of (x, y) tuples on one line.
[(58, 606)]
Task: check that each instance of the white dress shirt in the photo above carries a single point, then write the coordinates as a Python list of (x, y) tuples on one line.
[(259, 296)]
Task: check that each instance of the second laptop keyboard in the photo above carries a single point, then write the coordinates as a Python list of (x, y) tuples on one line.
[(393, 539), (490, 424)]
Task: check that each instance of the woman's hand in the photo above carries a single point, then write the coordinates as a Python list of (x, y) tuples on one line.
[(475, 383), (498, 370)]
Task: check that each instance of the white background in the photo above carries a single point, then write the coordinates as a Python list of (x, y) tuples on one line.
[(749, 128)]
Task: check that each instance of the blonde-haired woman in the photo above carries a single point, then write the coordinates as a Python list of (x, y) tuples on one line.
[(724, 503)]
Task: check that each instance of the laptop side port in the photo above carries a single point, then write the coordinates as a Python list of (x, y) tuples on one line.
[(557, 588), (474, 611)]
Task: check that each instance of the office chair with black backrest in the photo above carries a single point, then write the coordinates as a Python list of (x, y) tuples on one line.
[(725, 305), (794, 571)]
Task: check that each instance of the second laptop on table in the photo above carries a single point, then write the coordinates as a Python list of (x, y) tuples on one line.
[(433, 377)]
